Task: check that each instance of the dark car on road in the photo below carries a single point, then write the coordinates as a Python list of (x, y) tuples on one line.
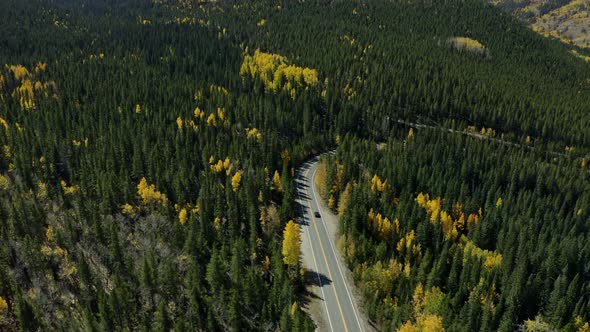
[(317, 214)]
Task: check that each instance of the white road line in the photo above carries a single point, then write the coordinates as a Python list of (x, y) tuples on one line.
[(335, 255), (316, 266)]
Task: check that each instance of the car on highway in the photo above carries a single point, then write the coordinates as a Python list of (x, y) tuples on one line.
[(317, 214)]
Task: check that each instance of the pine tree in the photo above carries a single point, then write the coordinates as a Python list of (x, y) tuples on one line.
[(162, 321)]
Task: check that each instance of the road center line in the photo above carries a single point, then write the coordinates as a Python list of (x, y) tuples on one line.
[(316, 269), (354, 310), (328, 265)]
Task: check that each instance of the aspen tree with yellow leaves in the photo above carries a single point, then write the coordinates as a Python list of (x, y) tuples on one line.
[(254, 134), (3, 306), (291, 244), (148, 194), (276, 73), (276, 182), (212, 120), (4, 123), (182, 216), (4, 182), (236, 180)]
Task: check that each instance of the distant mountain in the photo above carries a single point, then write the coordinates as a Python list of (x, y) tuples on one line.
[(567, 20)]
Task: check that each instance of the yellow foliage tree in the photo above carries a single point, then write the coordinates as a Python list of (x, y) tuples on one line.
[(212, 120), (4, 123), (407, 242), (291, 244), (320, 178), (385, 229), (217, 223), (331, 202), (580, 325), (40, 67), (377, 184), (491, 259), (4, 182), (148, 193), (254, 134), (452, 224), (19, 71), (426, 323), (276, 181), (380, 278), (421, 199), (3, 306), (235, 181), (344, 200), (69, 190), (217, 167), (276, 73), (50, 234), (294, 308), (468, 44), (198, 113), (183, 216), (221, 113), (25, 93), (418, 299), (127, 209)]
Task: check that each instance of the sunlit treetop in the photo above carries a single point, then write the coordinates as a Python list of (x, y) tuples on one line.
[(277, 73), (148, 194), (468, 44)]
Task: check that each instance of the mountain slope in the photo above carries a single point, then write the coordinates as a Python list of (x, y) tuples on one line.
[(566, 20)]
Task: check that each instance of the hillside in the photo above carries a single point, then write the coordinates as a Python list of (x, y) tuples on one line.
[(567, 20), (148, 149)]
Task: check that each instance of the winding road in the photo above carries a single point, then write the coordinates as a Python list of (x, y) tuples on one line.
[(330, 285)]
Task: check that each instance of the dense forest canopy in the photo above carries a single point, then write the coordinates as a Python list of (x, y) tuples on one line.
[(436, 228), (148, 150)]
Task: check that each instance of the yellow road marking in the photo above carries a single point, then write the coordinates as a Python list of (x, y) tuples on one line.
[(327, 265), (313, 192), (316, 268)]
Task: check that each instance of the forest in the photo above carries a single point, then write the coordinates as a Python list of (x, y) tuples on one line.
[(149, 148), (439, 232)]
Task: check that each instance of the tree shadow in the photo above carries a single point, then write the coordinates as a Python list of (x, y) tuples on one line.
[(312, 279)]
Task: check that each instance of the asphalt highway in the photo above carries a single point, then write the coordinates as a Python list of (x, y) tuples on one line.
[(339, 308)]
